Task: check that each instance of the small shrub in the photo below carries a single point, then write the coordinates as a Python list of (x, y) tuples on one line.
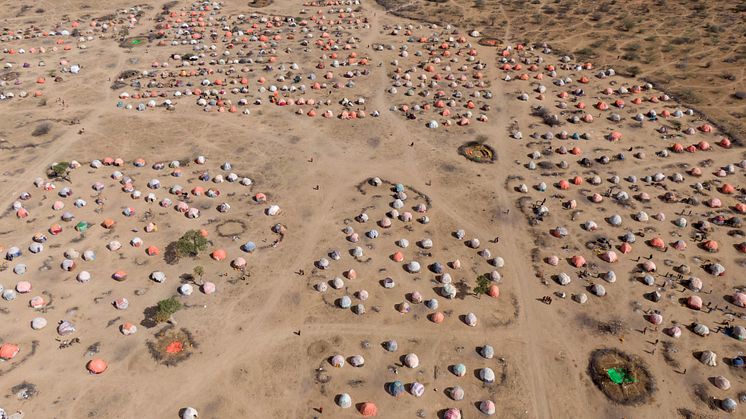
[(631, 56), (632, 71), (483, 285), (628, 24), (166, 309)]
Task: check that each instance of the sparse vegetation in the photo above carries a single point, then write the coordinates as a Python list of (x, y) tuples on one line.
[(199, 271), (628, 24), (546, 116), (586, 52)]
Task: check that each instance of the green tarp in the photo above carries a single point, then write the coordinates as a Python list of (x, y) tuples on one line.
[(620, 376)]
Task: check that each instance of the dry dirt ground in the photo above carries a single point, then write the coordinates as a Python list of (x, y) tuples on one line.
[(263, 341)]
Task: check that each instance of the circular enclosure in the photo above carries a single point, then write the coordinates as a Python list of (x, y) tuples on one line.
[(478, 152), (623, 378)]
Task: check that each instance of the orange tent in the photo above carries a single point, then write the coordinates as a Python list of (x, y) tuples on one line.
[(108, 223), (563, 184), (694, 302), (8, 351), (218, 254), (711, 246), (625, 248), (706, 128), (578, 261), (657, 242), (493, 291), (727, 188), (368, 409), (174, 347), (437, 317), (96, 366), (398, 257), (152, 251)]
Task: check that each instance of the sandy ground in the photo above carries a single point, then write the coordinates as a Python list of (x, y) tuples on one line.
[(248, 361)]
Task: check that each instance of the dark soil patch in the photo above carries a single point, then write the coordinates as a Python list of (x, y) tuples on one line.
[(260, 3), (42, 129), (489, 42), (478, 152), (24, 391), (134, 41), (171, 346), (9, 75)]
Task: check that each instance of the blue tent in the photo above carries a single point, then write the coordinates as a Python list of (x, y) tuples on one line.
[(395, 388)]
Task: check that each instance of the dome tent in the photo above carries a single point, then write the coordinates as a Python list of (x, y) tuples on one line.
[(708, 358), (368, 409)]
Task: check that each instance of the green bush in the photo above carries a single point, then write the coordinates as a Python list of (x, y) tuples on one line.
[(190, 244), (166, 309), (60, 169), (483, 285)]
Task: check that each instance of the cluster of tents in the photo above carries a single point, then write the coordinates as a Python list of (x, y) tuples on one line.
[(689, 211), (30, 46), (399, 217), (73, 218), (221, 75), (447, 77)]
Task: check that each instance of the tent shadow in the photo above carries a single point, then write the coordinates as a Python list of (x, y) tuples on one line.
[(650, 296), (149, 321)]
